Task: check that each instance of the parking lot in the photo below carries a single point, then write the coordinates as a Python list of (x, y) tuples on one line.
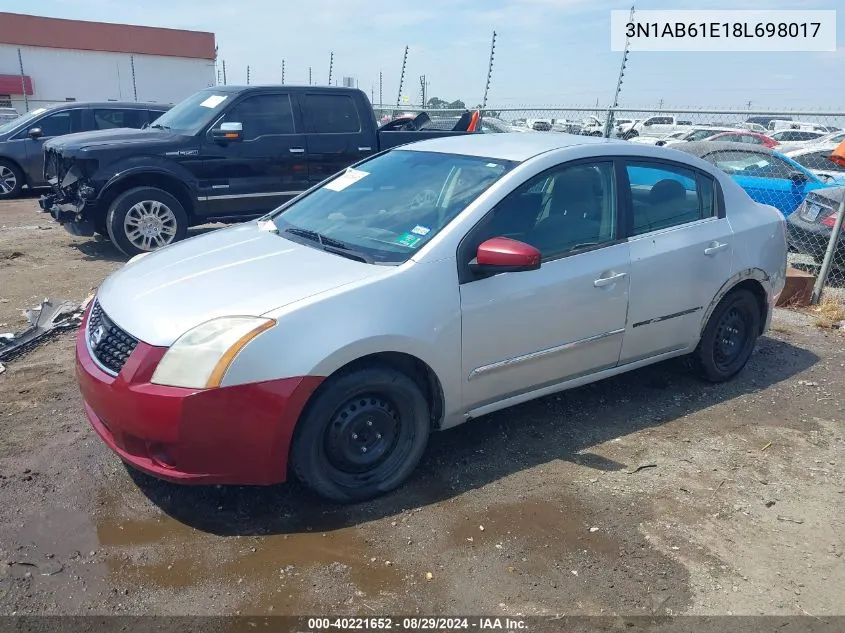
[(649, 493)]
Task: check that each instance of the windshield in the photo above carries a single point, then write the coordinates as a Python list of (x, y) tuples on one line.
[(194, 113), (700, 135), (392, 205), (14, 123)]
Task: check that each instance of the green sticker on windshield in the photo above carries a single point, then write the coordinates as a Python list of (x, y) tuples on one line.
[(408, 239)]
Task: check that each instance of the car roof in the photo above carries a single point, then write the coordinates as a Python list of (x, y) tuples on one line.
[(702, 148), (107, 104), (512, 146), (812, 149)]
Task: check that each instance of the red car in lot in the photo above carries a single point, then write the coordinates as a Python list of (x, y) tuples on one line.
[(745, 137)]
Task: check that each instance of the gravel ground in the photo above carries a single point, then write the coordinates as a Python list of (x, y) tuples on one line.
[(649, 493)]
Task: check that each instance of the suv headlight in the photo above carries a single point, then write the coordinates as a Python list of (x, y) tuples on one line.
[(200, 357)]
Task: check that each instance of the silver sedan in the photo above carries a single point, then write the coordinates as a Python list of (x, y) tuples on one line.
[(423, 287)]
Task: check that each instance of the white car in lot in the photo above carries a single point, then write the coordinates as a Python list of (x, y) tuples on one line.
[(789, 140), (816, 158), (427, 285)]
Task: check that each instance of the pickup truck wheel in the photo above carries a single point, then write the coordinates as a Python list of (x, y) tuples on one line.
[(145, 219), (11, 180), (362, 435)]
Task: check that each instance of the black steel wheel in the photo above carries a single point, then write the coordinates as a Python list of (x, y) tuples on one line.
[(729, 337), (362, 435)]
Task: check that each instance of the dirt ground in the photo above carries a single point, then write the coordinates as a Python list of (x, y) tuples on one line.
[(649, 493)]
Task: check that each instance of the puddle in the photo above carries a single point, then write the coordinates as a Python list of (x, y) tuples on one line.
[(279, 572), (54, 550), (561, 525)]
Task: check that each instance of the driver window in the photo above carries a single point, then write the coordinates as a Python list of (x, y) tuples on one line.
[(262, 115), (563, 210)]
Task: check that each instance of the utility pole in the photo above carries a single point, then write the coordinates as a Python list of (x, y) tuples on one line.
[(247, 74), (309, 75), (660, 105), (23, 82), (380, 88), (224, 72), (749, 105), (608, 126), (402, 78), (134, 85), (422, 91), (331, 66), (489, 73), (283, 71)]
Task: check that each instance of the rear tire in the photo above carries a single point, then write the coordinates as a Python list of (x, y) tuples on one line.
[(729, 337), (11, 180), (362, 436), (145, 219)]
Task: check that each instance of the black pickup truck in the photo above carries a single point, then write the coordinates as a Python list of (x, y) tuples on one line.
[(224, 154)]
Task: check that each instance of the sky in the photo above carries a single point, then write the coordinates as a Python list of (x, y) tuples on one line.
[(548, 52)]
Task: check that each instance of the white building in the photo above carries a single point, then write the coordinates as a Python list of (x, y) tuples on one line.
[(72, 60)]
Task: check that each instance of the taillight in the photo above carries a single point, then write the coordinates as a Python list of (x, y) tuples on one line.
[(830, 221)]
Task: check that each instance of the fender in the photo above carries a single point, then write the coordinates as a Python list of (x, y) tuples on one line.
[(749, 273), (374, 345), (119, 171)]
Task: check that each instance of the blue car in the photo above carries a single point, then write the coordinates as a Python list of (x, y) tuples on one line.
[(768, 176)]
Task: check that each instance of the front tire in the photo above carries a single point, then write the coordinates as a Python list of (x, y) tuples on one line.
[(11, 180), (145, 219), (362, 436), (729, 337)]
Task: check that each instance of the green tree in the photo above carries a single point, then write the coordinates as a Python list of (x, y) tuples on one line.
[(436, 103), (456, 105)]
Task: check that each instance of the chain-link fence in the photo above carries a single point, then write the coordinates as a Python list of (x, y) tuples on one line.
[(780, 158)]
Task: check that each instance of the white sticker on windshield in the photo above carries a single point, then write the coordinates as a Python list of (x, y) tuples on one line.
[(349, 177), (213, 101), (420, 230)]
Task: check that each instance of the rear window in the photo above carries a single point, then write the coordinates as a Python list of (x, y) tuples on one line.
[(331, 114)]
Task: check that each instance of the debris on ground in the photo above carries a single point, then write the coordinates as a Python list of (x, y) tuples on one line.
[(639, 468), (50, 317)]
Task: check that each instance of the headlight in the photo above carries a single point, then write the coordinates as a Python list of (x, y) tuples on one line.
[(200, 357)]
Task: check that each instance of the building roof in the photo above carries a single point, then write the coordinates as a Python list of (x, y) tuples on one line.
[(31, 30)]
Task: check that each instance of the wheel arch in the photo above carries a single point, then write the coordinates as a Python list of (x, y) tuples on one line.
[(157, 179), (409, 364), (754, 280)]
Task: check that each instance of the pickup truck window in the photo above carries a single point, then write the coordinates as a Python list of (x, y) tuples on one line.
[(194, 113), (262, 115), (331, 114), (390, 206)]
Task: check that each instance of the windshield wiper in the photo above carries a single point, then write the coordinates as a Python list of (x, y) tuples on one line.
[(330, 245)]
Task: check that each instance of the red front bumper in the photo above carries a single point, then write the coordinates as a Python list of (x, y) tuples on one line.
[(230, 435)]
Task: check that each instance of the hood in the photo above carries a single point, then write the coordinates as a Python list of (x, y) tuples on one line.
[(241, 270), (124, 137)]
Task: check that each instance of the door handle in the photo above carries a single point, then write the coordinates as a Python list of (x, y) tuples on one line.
[(297, 150), (714, 248), (601, 282), (365, 149)]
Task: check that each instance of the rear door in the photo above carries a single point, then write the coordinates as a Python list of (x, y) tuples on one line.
[(265, 169), (334, 133), (51, 125), (110, 118), (681, 249)]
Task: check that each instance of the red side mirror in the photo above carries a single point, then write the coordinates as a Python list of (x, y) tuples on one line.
[(502, 254)]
